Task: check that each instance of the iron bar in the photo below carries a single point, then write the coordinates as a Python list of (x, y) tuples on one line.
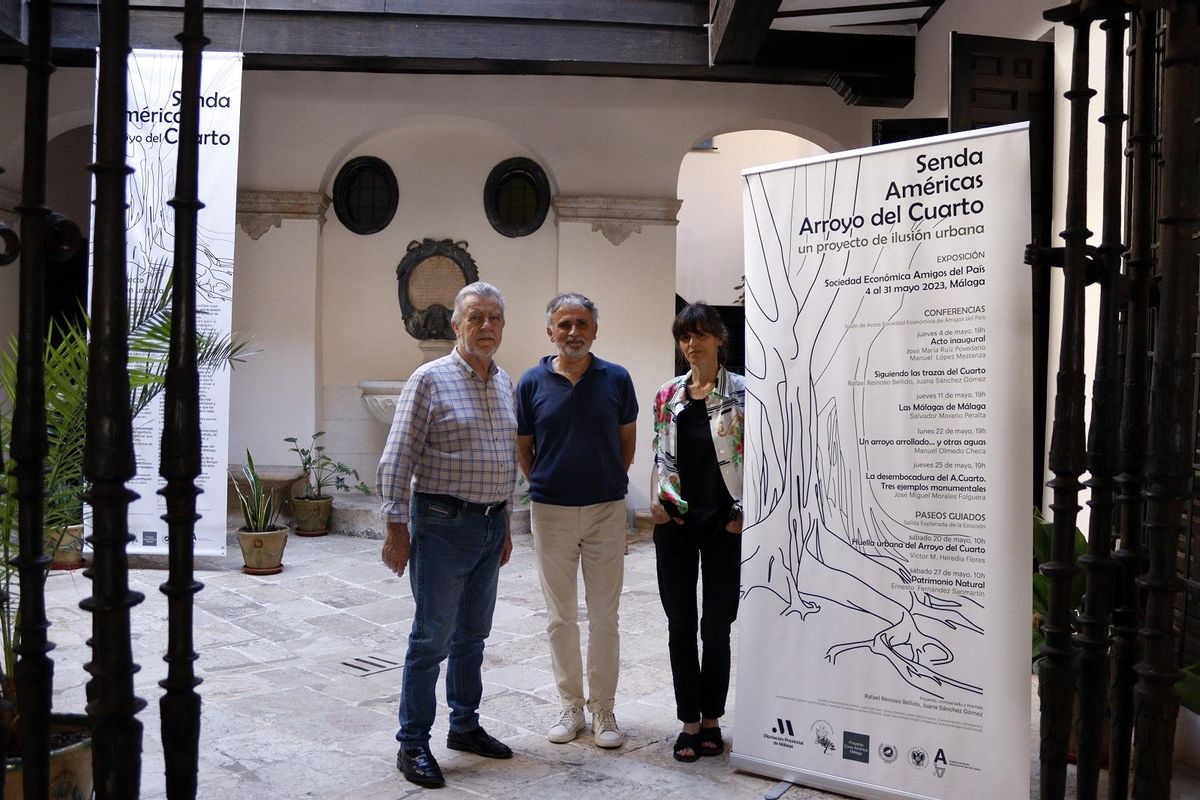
[(33, 674), (108, 453), (5, 704), (1171, 436), (181, 441), (1056, 672), (1138, 268), (1092, 706)]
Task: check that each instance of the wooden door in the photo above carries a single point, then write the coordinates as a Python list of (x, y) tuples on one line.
[(995, 81)]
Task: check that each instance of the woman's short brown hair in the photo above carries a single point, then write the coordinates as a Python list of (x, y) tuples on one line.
[(701, 318)]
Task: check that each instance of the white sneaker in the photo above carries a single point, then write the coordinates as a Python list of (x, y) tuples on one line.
[(568, 726), (605, 731)]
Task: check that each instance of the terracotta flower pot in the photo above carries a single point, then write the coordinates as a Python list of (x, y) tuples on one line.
[(1187, 737), (70, 765), (262, 551), (64, 546), (311, 517)]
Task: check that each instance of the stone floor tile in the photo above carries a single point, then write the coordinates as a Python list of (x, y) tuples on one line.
[(283, 721), (386, 611)]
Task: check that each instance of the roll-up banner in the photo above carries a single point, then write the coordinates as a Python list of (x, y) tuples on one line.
[(152, 136), (884, 630)]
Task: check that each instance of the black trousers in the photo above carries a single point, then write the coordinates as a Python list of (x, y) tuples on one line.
[(683, 554)]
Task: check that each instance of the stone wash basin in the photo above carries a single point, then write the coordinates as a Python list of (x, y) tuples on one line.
[(381, 397)]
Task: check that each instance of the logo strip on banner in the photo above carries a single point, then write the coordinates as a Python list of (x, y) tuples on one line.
[(152, 136), (887, 450)]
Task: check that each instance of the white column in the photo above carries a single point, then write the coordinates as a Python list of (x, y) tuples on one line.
[(620, 252), (276, 302)]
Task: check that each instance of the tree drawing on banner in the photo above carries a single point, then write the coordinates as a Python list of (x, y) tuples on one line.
[(150, 226), (152, 184), (820, 538)]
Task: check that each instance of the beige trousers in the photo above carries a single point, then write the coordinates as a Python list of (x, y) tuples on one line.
[(565, 537)]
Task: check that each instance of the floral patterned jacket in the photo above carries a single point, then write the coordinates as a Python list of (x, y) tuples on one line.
[(726, 405)]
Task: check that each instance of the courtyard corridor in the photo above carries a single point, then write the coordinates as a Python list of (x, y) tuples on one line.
[(302, 671)]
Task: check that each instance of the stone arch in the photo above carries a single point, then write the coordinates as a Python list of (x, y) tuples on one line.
[(709, 235), (433, 121)]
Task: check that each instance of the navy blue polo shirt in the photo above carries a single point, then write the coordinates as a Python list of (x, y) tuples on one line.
[(576, 447)]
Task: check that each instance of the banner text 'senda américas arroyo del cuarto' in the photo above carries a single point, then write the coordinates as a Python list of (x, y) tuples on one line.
[(884, 626)]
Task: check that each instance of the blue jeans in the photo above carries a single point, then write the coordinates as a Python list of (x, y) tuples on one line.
[(454, 567)]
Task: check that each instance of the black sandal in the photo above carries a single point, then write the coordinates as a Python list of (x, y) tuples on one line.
[(711, 743), (687, 741)]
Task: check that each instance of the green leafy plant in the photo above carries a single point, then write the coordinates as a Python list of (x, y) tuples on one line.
[(65, 383), (1043, 534), (65, 366), (322, 472), (260, 511), (1189, 688)]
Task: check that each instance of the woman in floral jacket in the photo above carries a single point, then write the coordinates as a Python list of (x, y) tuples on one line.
[(696, 492)]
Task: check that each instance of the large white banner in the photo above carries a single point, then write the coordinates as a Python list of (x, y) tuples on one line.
[(884, 630), (152, 136)]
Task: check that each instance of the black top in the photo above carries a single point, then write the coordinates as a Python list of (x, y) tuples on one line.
[(700, 480)]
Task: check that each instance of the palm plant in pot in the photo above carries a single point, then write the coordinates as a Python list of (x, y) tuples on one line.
[(261, 538), (311, 510), (1187, 726), (64, 376), (65, 364)]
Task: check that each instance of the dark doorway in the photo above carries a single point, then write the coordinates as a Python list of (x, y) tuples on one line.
[(996, 81), (66, 285), (886, 131)]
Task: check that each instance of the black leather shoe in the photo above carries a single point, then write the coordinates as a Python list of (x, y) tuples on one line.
[(479, 742), (420, 767)]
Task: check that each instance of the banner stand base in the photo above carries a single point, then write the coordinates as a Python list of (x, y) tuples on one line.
[(778, 790)]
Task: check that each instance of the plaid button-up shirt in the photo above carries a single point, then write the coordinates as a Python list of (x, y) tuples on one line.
[(453, 434)]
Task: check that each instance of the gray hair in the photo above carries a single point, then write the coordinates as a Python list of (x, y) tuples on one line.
[(571, 299), (476, 289)]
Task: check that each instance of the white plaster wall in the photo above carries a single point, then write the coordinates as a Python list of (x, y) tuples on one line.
[(69, 188), (68, 191), (635, 294), (9, 306), (442, 135), (593, 135), (709, 255), (441, 168), (603, 135), (322, 305), (275, 302)]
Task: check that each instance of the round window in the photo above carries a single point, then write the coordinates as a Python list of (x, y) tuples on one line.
[(365, 195), (516, 197)]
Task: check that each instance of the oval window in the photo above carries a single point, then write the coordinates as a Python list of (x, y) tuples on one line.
[(516, 197), (365, 195)]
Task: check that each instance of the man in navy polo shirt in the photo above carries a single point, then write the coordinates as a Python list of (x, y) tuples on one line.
[(576, 415)]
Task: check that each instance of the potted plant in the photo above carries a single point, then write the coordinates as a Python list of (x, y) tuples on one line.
[(71, 746), (311, 510), (65, 362), (261, 538), (64, 377), (1043, 535), (1187, 724), (64, 369)]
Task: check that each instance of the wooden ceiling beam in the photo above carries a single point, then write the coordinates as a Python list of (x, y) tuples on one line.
[(297, 34), (10, 22), (864, 69), (680, 13), (737, 29), (844, 53)]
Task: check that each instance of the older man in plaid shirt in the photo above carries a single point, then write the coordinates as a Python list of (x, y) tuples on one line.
[(452, 444)]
